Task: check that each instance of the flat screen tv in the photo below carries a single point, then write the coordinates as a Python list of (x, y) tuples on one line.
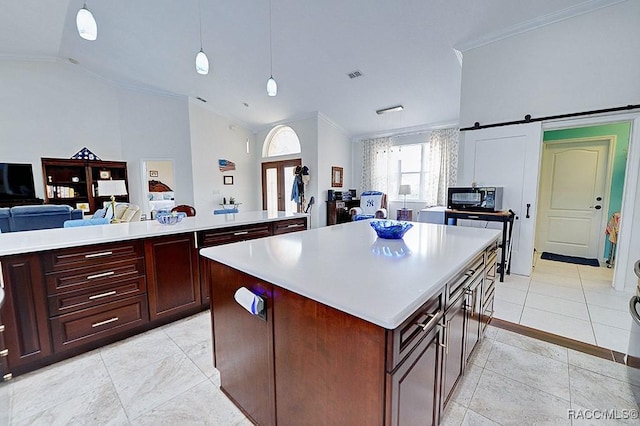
[(16, 182)]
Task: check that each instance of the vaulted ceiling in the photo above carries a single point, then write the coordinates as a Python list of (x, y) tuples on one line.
[(404, 50)]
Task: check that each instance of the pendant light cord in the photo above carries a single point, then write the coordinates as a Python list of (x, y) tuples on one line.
[(200, 20), (270, 43)]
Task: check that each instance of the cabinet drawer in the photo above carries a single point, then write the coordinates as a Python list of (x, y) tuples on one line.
[(469, 272), (88, 325), (90, 277), (407, 336), (286, 226), (96, 295), (234, 234), (59, 260)]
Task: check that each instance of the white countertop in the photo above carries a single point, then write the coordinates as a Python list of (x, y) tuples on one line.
[(348, 268), (48, 239)]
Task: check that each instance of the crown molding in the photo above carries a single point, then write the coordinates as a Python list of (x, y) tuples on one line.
[(544, 20)]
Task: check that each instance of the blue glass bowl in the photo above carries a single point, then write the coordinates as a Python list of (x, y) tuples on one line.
[(168, 218), (390, 229)]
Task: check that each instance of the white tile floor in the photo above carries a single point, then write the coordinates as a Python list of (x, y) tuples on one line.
[(569, 300), (166, 377)]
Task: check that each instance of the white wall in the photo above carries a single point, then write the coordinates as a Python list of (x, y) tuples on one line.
[(584, 63), (334, 149), (155, 127), (213, 138), (54, 109)]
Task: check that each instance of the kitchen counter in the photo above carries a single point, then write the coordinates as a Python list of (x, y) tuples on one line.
[(48, 239), (348, 268), (303, 322)]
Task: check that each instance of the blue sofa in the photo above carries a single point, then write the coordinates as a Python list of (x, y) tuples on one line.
[(27, 218)]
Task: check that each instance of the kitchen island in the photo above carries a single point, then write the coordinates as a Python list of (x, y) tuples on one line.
[(348, 328), (70, 290)]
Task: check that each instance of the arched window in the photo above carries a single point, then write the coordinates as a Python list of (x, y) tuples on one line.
[(281, 140)]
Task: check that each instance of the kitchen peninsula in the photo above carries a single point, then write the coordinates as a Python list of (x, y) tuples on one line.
[(69, 290), (347, 328)]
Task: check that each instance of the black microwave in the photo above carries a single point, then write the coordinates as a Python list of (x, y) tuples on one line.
[(479, 198)]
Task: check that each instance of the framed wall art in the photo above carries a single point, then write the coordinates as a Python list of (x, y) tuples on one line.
[(336, 177)]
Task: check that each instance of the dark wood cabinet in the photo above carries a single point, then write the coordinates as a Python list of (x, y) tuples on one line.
[(307, 360), (94, 293), (239, 332), (414, 375), (453, 366), (62, 302), (172, 275), (338, 211), (71, 182), (473, 308), (24, 313), (415, 385)]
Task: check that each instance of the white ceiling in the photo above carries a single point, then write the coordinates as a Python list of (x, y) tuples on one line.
[(404, 49)]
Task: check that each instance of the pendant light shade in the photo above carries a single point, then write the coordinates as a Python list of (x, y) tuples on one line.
[(202, 63), (272, 87), (86, 23)]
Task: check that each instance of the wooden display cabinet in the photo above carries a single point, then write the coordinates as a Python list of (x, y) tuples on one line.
[(74, 182)]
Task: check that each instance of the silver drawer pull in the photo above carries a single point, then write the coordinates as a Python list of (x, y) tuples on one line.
[(295, 225), (104, 274), (98, 324), (4, 352), (1, 328), (99, 296), (431, 319), (241, 233), (104, 253), (7, 377)]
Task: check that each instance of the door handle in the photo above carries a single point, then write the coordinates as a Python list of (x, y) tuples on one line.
[(597, 207), (528, 207)]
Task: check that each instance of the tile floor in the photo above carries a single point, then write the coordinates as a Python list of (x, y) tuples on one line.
[(166, 376), (569, 300)]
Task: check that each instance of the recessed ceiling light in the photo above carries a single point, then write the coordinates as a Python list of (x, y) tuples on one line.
[(390, 109)]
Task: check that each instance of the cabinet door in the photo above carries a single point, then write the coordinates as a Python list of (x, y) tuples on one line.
[(454, 342), (473, 306), (24, 313), (415, 385), (173, 278), (248, 379)]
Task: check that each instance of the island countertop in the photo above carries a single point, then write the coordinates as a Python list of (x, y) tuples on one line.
[(348, 268), (49, 239)]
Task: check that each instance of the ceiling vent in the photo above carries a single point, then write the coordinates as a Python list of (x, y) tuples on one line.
[(354, 74)]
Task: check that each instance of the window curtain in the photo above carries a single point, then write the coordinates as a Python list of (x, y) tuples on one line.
[(442, 165), (375, 164)]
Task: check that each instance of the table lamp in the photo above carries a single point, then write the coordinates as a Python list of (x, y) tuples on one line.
[(405, 190), (112, 188)]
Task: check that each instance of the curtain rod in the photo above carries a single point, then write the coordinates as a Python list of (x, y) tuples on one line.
[(529, 119)]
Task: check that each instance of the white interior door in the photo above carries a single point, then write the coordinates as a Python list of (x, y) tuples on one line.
[(572, 197), (508, 156)]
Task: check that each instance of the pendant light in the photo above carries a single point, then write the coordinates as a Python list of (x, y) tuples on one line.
[(202, 62), (272, 86), (86, 24)]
